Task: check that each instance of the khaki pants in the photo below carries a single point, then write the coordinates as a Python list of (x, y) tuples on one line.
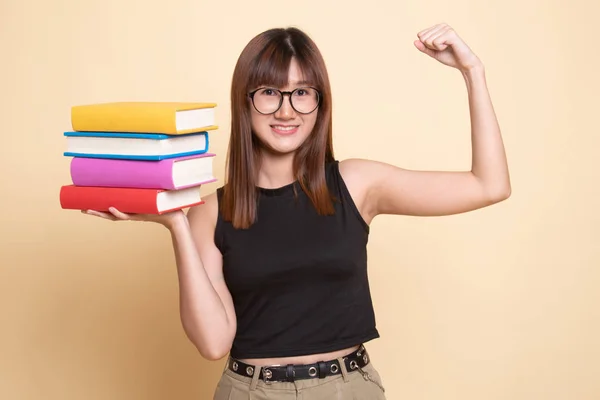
[(361, 384)]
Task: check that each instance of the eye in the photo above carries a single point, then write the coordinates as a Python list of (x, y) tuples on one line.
[(301, 92), (268, 92)]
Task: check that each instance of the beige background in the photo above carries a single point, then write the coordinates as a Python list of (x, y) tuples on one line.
[(500, 303)]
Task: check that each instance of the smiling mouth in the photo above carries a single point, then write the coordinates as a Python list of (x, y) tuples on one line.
[(284, 128)]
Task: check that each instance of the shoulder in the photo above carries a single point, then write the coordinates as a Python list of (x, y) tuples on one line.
[(360, 171), (363, 178), (367, 172), (350, 168), (355, 174)]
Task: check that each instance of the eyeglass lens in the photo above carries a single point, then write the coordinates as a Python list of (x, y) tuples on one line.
[(269, 100)]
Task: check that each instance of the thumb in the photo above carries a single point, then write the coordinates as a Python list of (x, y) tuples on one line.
[(424, 49)]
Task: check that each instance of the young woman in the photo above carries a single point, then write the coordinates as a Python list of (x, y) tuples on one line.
[(272, 268)]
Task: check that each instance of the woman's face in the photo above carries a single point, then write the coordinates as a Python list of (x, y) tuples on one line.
[(284, 131)]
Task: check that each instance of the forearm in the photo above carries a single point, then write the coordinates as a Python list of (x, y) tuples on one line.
[(489, 163), (203, 314)]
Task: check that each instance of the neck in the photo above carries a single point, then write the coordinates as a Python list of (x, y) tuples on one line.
[(275, 170)]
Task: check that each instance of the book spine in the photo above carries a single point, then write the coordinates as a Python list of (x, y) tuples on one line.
[(137, 201), (122, 173)]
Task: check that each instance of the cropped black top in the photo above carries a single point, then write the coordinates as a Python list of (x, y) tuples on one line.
[(298, 280)]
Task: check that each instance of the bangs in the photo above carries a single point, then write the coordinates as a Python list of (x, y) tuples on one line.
[(272, 66)]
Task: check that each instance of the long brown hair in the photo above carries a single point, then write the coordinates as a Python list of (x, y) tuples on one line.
[(265, 61)]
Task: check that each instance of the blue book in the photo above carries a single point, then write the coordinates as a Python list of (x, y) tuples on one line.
[(134, 146)]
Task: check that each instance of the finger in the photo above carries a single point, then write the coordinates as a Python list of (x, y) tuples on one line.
[(424, 49), (118, 214), (99, 214), (427, 33), (433, 35), (440, 40), (427, 30)]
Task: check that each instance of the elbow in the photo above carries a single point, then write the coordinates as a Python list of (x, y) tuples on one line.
[(213, 353), (507, 193), (213, 344), (213, 350), (210, 347), (499, 194), (494, 189)]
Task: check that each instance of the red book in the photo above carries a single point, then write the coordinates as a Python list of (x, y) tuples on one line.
[(128, 200)]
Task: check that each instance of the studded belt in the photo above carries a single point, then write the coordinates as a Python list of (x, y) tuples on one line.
[(293, 372)]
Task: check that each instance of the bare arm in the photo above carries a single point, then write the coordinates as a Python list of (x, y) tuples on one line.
[(206, 307), (381, 188)]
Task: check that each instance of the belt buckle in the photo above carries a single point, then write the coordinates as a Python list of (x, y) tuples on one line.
[(267, 374)]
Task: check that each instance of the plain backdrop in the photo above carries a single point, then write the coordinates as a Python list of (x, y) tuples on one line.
[(500, 303)]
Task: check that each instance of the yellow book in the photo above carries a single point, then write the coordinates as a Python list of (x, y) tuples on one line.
[(170, 118)]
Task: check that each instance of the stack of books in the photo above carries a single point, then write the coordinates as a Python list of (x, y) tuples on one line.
[(139, 157)]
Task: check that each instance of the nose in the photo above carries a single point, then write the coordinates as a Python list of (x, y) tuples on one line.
[(286, 111)]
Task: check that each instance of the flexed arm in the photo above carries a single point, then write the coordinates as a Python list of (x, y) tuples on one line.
[(382, 188)]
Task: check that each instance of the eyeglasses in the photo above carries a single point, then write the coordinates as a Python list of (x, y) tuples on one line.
[(303, 100)]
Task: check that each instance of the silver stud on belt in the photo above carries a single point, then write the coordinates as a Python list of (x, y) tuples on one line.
[(250, 371)]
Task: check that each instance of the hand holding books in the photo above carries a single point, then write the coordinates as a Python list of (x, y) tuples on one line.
[(138, 157), (168, 219)]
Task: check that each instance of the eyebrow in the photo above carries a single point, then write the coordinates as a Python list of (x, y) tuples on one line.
[(292, 83)]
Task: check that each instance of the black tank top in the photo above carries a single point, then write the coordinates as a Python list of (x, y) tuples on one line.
[(298, 280)]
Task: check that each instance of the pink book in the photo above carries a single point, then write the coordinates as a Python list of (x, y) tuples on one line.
[(169, 174)]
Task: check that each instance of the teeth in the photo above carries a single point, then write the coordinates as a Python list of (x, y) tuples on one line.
[(284, 128)]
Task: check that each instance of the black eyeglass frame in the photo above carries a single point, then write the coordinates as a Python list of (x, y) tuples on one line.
[(283, 93)]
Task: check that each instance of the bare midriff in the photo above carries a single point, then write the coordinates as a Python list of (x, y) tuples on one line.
[(306, 359)]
